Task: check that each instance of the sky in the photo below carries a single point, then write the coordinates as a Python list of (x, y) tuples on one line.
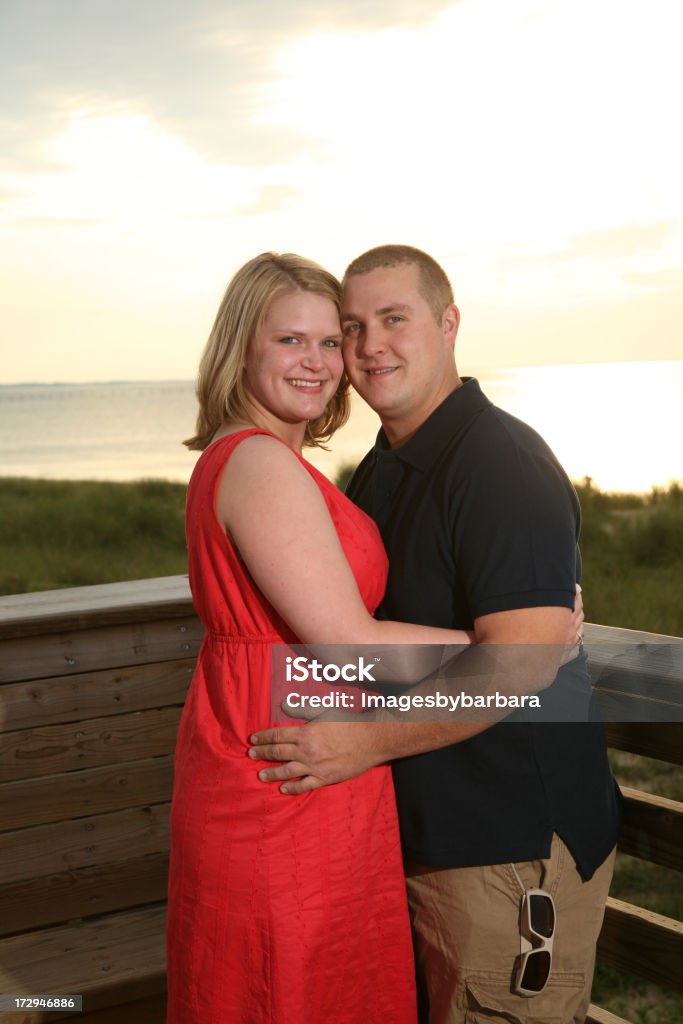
[(148, 149)]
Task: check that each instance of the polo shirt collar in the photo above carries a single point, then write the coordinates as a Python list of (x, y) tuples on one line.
[(453, 416)]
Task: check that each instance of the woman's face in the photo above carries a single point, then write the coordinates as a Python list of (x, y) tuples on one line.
[(294, 364)]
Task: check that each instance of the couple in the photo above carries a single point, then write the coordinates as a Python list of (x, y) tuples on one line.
[(287, 905)]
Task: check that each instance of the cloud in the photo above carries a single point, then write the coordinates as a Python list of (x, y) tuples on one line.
[(118, 166), (60, 222), (197, 68), (271, 199), (668, 280), (606, 243)]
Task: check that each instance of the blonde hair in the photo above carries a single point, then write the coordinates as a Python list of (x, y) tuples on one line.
[(434, 285), (220, 381)]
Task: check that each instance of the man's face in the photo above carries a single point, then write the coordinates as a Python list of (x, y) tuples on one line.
[(397, 356)]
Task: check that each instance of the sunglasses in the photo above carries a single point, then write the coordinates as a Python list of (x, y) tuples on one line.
[(537, 928)]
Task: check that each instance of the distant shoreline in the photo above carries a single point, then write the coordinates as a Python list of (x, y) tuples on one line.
[(484, 371), (132, 430)]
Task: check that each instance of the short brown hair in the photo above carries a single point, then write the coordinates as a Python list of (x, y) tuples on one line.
[(435, 287), (243, 308)]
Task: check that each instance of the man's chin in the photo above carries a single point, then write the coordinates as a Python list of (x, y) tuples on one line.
[(373, 396), (379, 405)]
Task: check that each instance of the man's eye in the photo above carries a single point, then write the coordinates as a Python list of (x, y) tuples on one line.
[(351, 328), (394, 319)]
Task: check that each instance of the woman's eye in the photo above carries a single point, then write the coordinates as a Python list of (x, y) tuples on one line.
[(289, 340), (332, 343)]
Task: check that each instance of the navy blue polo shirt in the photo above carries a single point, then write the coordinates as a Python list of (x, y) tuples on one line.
[(478, 516)]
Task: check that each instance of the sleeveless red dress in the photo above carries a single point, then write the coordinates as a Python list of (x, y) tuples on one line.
[(282, 910)]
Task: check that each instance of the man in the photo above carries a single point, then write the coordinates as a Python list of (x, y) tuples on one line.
[(480, 523)]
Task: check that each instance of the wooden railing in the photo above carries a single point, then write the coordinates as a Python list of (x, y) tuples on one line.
[(92, 682)]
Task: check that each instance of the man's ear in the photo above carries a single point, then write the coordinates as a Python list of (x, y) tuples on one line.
[(450, 323)]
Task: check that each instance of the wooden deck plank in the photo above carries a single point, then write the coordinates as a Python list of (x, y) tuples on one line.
[(652, 829), (103, 888), (596, 1015), (615, 635), (111, 960), (88, 650), (660, 740), (105, 604), (70, 698), (143, 1011), (76, 794), (642, 942), (69, 845), (52, 749)]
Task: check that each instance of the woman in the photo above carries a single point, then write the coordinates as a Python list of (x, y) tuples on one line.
[(280, 911)]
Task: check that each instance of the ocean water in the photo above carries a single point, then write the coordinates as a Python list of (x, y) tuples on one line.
[(619, 423)]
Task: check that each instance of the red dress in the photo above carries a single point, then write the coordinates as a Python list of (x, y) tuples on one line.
[(282, 910)]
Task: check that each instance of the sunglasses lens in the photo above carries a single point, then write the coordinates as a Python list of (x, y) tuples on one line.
[(541, 915), (536, 971)]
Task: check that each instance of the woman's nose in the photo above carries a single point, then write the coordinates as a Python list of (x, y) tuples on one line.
[(312, 357)]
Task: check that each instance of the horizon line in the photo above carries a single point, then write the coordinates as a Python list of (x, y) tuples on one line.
[(485, 368)]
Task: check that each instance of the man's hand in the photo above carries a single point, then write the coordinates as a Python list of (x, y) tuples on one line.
[(323, 752), (317, 754), (575, 631)]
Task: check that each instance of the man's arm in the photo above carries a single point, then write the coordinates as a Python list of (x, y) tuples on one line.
[(323, 753)]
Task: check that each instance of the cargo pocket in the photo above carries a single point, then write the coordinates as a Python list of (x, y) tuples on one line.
[(489, 999)]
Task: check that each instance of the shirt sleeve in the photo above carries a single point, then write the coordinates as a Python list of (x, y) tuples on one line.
[(515, 519)]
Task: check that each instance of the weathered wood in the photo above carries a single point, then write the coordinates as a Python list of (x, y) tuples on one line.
[(115, 959), (53, 749), (102, 888), (643, 943), (143, 1011), (596, 1015), (661, 740), (93, 694), (638, 677), (69, 845), (614, 635), (651, 669), (91, 791), (618, 705), (652, 829), (136, 643), (106, 604)]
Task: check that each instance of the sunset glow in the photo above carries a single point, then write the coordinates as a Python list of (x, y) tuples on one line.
[(529, 145)]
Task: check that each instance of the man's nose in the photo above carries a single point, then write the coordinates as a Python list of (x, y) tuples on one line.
[(370, 341)]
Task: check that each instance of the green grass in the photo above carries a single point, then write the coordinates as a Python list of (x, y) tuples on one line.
[(58, 533), (632, 550), (70, 533), (634, 1000)]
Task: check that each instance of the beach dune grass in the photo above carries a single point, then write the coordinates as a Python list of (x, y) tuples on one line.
[(64, 533)]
